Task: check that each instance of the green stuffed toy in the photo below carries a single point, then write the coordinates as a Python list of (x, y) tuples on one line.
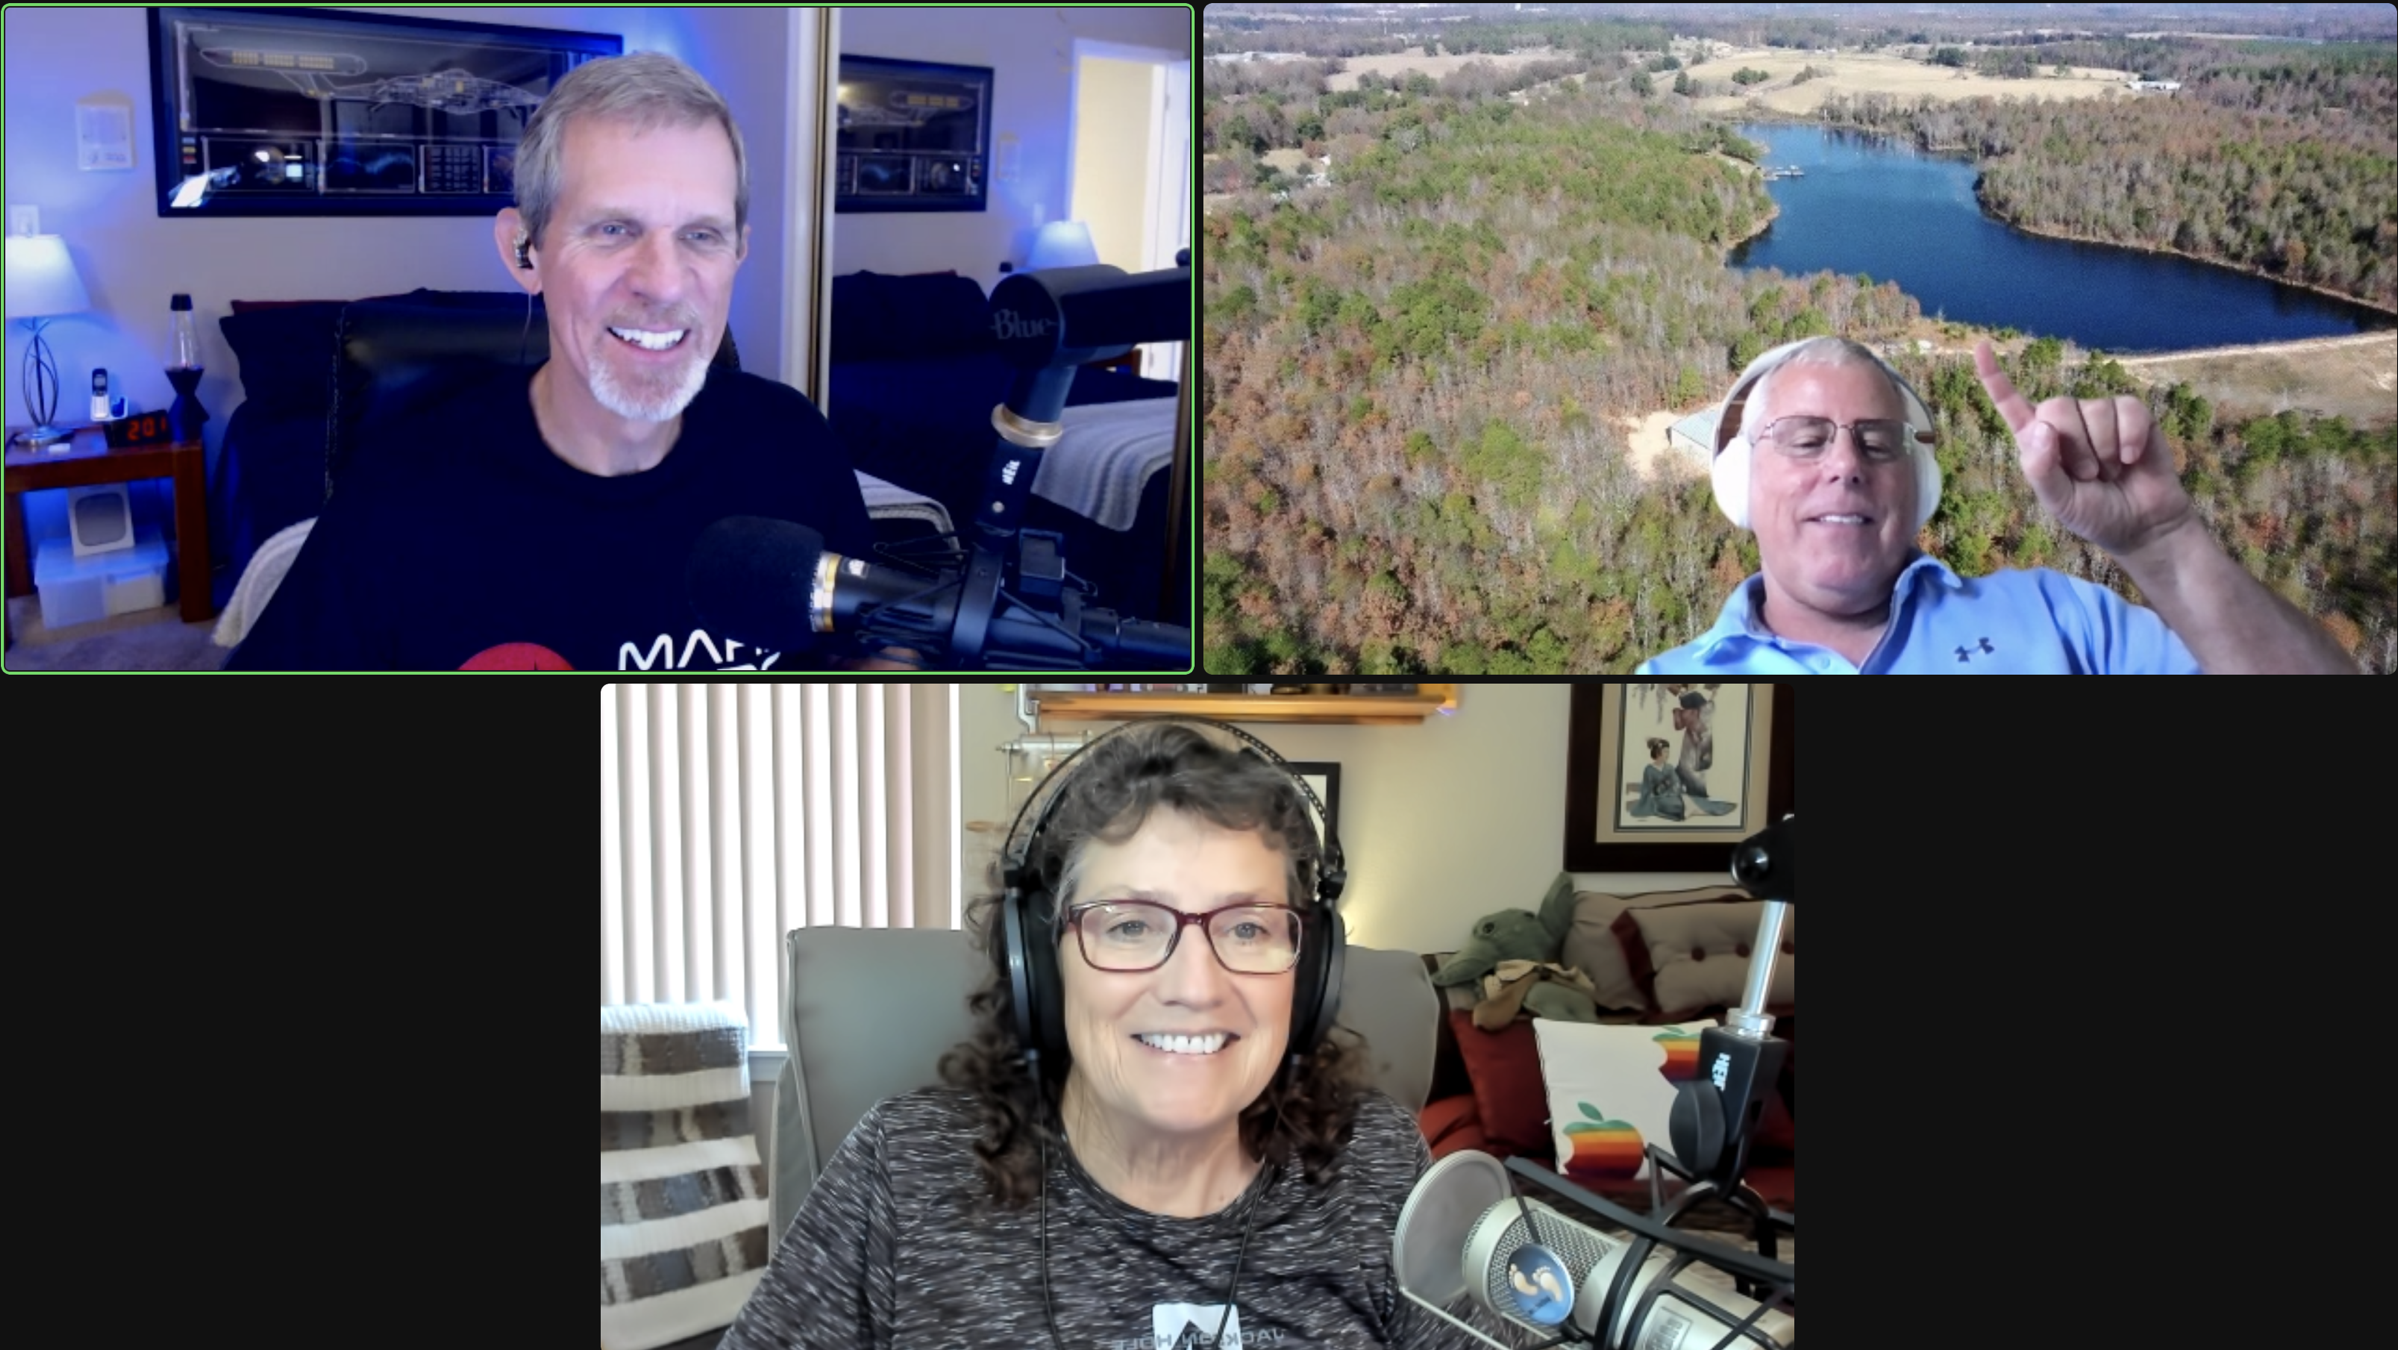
[(1520, 935)]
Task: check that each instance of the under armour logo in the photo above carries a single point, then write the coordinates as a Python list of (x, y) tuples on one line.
[(1966, 653)]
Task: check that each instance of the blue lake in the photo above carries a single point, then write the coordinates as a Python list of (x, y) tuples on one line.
[(1876, 206)]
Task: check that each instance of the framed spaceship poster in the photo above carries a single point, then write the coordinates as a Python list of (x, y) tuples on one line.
[(301, 112), (912, 136)]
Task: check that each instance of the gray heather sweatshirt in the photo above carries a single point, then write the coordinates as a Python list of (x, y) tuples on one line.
[(899, 1248)]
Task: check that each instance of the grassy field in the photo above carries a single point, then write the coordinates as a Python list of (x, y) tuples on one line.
[(1881, 73), (1851, 72), (1435, 66), (2353, 377)]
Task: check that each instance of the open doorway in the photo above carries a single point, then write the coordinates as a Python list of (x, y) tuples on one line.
[(1130, 171)]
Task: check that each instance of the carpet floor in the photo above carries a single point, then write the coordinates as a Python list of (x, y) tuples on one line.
[(154, 639)]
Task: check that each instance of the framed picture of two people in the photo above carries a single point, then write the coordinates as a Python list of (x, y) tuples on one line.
[(1668, 777)]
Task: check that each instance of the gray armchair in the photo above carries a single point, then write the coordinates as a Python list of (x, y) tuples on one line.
[(865, 1021)]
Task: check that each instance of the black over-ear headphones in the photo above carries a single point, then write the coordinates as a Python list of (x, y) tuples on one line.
[(1028, 925)]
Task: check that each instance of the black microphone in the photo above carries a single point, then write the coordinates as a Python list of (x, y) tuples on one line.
[(772, 582), (1766, 863), (1069, 315), (1047, 325)]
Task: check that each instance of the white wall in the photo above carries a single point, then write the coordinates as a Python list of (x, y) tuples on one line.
[(1112, 140), (1031, 55), (1443, 823), (131, 260)]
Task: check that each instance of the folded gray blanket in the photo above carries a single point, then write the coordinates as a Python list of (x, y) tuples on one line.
[(1105, 457), (886, 501)]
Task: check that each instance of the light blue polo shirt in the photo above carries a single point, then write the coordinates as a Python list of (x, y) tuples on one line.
[(2037, 622)]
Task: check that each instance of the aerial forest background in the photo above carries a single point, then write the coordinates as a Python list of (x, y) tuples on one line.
[(1417, 356)]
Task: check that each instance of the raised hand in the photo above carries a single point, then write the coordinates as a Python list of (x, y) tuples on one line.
[(2099, 465)]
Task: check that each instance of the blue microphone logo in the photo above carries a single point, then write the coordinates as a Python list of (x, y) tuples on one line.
[(1008, 327)]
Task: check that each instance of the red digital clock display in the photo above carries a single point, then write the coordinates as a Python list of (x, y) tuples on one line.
[(140, 429)]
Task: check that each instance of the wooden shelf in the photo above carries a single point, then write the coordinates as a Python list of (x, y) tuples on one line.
[(1363, 709)]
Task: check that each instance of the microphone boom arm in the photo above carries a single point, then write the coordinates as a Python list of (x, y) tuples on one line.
[(1047, 325), (1714, 1117)]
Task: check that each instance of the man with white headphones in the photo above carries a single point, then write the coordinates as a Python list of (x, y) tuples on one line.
[(1825, 451)]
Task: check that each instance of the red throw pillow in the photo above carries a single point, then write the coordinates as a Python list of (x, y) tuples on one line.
[(1505, 1068), (1777, 1184), (1466, 1137), (1446, 1118), (1786, 1027), (1636, 956), (1778, 1128), (1777, 1133)]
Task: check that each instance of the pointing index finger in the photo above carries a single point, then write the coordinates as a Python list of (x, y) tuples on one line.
[(2000, 389)]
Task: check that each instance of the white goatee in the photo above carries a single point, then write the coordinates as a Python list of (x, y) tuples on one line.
[(662, 405)]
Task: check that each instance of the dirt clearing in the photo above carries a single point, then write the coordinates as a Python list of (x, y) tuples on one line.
[(1651, 451)]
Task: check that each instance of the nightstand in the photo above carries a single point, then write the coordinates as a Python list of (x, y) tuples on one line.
[(91, 462)]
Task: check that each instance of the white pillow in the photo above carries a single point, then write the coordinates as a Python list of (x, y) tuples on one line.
[(1593, 947), (1698, 956), (1611, 1090), (683, 1211)]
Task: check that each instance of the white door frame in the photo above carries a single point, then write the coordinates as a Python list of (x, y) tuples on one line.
[(1169, 224), (1163, 361), (814, 60), (1120, 51)]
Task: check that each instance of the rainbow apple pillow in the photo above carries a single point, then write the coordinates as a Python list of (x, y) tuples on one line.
[(1611, 1091)]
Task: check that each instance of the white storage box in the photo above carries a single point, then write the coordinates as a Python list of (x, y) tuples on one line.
[(79, 590)]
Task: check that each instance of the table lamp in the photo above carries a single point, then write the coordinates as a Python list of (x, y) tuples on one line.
[(1062, 243), (42, 285)]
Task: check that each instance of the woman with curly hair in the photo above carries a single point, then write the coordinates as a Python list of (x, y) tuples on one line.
[(1175, 1173)]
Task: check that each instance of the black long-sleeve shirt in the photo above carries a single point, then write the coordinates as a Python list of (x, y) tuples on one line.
[(456, 537)]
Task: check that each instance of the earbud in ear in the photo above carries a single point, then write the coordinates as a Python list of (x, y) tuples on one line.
[(522, 259)]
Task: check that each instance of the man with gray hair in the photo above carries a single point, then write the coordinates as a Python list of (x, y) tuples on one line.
[(544, 518), (1825, 452)]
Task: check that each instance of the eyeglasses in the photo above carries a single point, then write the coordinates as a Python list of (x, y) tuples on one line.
[(1128, 936), (1878, 439)]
